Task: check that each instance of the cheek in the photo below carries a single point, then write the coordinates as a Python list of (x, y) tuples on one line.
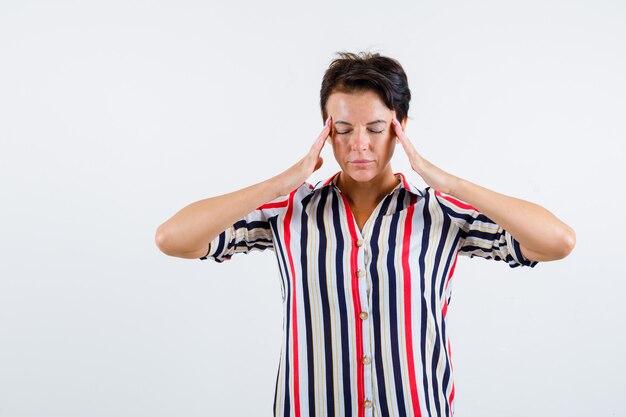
[(388, 147), (386, 142), (337, 143), (340, 151)]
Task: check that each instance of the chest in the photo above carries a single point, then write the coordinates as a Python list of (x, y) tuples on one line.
[(361, 217)]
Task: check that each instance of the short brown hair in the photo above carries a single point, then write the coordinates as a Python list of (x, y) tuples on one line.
[(367, 71)]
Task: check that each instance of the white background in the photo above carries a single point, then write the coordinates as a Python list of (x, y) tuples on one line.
[(114, 115)]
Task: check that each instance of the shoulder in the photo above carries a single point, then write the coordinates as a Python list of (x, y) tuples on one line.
[(280, 204), (449, 201)]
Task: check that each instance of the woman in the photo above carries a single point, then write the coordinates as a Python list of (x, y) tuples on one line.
[(366, 258)]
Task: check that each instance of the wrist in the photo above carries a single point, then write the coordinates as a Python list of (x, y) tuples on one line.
[(454, 185), (275, 186)]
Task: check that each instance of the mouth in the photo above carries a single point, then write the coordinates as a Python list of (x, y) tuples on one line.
[(360, 162)]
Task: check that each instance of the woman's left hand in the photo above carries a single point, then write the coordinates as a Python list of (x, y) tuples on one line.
[(434, 176)]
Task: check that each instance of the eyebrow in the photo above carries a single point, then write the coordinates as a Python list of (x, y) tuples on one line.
[(343, 122)]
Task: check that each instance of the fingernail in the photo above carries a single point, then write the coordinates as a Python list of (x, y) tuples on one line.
[(327, 121)]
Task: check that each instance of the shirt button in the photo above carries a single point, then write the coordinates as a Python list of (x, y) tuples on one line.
[(366, 360), (359, 243), (360, 273), (367, 404), (363, 315)]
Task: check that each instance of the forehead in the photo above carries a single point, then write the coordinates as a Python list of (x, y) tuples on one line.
[(360, 107)]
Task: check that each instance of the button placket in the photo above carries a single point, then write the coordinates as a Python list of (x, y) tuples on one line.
[(366, 360)]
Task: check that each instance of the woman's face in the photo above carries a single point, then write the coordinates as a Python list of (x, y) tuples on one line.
[(361, 131)]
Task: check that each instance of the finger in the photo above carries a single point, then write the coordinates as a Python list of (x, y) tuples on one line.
[(402, 137), (321, 139), (398, 129), (327, 126)]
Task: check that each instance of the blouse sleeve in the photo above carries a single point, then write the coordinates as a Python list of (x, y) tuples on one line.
[(480, 236), (251, 232)]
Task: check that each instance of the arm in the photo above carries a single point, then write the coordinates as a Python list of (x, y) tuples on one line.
[(188, 232), (541, 235)]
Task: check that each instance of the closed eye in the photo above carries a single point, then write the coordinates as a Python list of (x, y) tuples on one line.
[(373, 131)]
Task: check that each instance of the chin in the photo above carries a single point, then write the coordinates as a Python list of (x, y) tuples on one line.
[(360, 174)]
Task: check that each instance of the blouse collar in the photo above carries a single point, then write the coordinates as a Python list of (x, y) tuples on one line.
[(403, 183)]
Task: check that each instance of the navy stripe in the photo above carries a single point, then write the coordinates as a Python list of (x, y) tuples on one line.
[(340, 254), (393, 316), (447, 373), (220, 247), (255, 224), (424, 309), (284, 268), (323, 287), (260, 244), (490, 236), (310, 360), (435, 311), (280, 257)]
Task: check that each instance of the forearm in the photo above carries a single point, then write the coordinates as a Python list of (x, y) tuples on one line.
[(189, 231), (531, 225)]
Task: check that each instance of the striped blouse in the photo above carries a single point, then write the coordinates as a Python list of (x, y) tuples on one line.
[(364, 311)]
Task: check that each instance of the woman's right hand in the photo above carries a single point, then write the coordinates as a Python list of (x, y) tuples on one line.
[(293, 177)]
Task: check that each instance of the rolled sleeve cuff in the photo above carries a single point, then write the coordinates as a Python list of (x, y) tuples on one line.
[(515, 251), (218, 245)]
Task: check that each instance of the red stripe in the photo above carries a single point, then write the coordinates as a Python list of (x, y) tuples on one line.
[(357, 309), (452, 368), (405, 184), (406, 245), (296, 378), (452, 395), (281, 203), (456, 202), (273, 205)]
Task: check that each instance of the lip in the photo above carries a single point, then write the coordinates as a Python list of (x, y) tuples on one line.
[(361, 162)]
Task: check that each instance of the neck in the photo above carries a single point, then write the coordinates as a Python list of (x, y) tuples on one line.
[(367, 194)]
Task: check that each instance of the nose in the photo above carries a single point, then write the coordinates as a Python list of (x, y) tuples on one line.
[(360, 140)]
